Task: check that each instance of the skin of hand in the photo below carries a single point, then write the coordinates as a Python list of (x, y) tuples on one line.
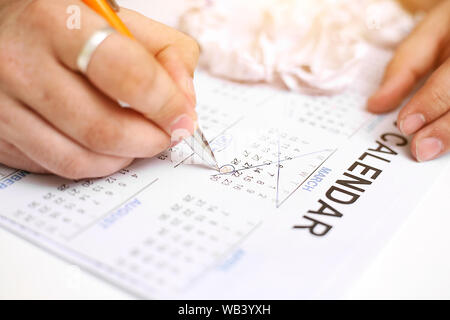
[(55, 120), (427, 114), (418, 5)]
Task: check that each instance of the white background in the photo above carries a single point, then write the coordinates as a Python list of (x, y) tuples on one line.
[(414, 264)]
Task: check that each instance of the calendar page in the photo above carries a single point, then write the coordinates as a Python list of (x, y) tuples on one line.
[(309, 189)]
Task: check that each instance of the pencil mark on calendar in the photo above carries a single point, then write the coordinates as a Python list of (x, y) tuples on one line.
[(268, 163), (278, 173), (227, 169), (318, 167), (276, 184)]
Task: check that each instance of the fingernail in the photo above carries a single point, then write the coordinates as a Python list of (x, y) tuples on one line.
[(412, 123), (190, 90), (428, 149), (181, 128), (174, 143)]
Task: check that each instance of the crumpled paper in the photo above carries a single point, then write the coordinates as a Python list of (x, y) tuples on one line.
[(312, 46)]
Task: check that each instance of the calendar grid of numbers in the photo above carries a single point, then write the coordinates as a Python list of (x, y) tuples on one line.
[(172, 227), (186, 238)]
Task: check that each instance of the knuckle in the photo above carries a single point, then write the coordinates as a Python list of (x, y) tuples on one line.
[(138, 81), (103, 136), (10, 60), (34, 14), (38, 14), (38, 6), (446, 128), (5, 119), (440, 97)]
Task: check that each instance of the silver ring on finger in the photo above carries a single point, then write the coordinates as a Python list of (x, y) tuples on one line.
[(85, 56)]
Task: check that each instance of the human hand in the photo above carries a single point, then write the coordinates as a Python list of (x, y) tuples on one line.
[(418, 5), (427, 114), (54, 119)]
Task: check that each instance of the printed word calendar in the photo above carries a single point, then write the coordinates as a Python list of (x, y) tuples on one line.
[(297, 209)]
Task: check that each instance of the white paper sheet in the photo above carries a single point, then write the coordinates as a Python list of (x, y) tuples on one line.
[(169, 228)]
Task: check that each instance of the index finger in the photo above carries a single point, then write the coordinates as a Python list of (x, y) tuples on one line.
[(123, 70), (157, 38), (175, 51), (413, 59)]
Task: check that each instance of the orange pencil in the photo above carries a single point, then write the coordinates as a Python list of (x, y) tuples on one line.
[(103, 8)]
